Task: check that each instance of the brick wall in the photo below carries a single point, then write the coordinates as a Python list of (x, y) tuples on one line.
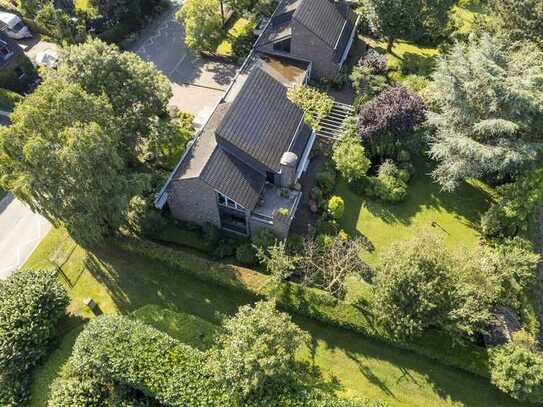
[(192, 200)]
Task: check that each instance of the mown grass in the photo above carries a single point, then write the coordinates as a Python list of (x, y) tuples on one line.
[(408, 58), (123, 283), (454, 216)]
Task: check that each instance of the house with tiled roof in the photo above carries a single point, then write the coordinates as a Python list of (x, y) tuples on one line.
[(241, 171), (320, 31)]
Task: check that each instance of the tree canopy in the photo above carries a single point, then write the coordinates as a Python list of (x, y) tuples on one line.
[(519, 19), (203, 24), (413, 20), (136, 90), (490, 112), (63, 156)]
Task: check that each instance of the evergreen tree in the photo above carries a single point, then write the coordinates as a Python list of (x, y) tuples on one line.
[(490, 110)]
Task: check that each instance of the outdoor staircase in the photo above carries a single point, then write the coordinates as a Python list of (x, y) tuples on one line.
[(330, 127)]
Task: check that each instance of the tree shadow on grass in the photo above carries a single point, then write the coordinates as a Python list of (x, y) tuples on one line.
[(133, 281), (467, 204), (396, 372), (417, 64)]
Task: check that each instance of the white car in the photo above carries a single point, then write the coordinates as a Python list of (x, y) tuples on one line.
[(13, 26), (48, 58)]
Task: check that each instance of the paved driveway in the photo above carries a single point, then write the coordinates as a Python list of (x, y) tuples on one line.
[(197, 82), (21, 230)]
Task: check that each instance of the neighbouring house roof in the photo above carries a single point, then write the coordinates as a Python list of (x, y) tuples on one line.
[(261, 121), (331, 21)]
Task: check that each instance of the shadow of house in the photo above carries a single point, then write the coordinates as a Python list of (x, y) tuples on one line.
[(16, 71)]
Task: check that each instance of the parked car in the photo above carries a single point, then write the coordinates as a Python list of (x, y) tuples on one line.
[(13, 26)]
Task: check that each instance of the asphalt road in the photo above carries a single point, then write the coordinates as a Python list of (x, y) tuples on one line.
[(21, 230)]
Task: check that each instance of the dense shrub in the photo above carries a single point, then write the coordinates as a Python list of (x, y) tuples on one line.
[(31, 304), (256, 349), (374, 61), (326, 180), (143, 218), (413, 286), (510, 215), (518, 372), (390, 117), (264, 238), (211, 234), (348, 153), (315, 104), (366, 85), (336, 207), (225, 248), (246, 254), (514, 264), (419, 283)]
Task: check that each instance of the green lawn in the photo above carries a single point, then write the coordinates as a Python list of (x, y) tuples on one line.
[(455, 216), (122, 283), (408, 58)]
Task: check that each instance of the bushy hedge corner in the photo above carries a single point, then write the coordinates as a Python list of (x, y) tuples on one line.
[(31, 304)]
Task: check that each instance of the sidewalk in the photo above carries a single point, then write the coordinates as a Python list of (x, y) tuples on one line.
[(21, 230)]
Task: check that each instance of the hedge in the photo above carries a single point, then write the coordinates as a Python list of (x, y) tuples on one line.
[(31, 305), (434, 344), (130, 353)]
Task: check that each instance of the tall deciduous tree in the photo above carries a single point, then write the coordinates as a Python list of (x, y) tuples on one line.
[(63, 156), (136, 90), (203, 24), (490, 112), (408, 19)]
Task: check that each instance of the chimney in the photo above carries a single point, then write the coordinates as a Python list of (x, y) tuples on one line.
[(288, 169)]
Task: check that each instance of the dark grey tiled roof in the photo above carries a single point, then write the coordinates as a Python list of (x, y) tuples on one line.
[(233, 178), (301, 140), (322, 18), (261, 121), (344, 39)]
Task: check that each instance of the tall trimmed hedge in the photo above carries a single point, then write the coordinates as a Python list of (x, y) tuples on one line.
[(313, 303), (114, 351), (31, 304)]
